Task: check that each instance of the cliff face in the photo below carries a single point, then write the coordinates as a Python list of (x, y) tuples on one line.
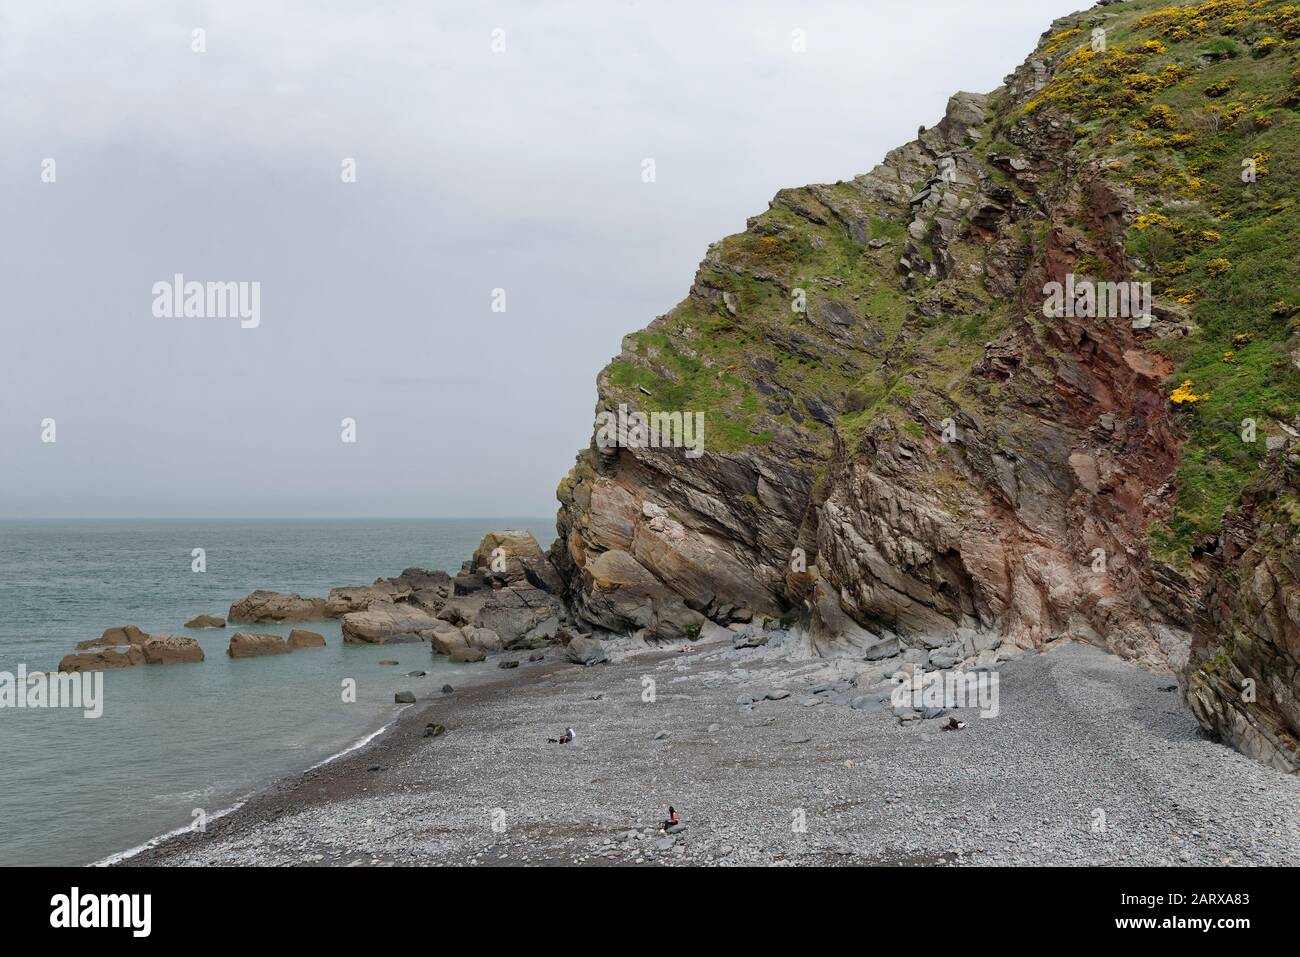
[(910, 433), (1243, 680)]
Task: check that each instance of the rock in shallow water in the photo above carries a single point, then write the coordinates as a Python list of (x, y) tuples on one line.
[(124, 657), (246, 644), (272, 606), (122, 635), (171, 649), (302, 638), (205, 621)]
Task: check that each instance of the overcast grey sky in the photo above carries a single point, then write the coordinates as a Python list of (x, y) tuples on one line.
[(476, 170)]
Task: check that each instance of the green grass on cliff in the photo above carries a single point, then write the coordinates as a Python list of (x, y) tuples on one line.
[(1226, 92), (1174, 105), (1170, 110)]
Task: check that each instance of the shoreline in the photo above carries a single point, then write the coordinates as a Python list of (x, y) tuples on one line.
[(1080, 730), (275, 783), (122, 857), (336, 772)]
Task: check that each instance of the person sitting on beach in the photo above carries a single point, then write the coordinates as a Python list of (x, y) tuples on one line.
[(569, 735), (670, 821)]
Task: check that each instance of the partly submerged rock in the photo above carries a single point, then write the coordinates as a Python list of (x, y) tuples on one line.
[(205, 621), (170, 649), (123, 657), (245, 644), (273, 606), (121, 635), (302, 638)]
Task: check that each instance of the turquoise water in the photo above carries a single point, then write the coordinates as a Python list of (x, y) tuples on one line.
[(174, 738)]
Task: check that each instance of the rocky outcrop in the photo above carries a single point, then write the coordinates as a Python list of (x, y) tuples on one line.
[(124, 656), (206, 621), (385, 622), (467, 643), (428, 590), (170, 650), (1243, 677), (121, 635), (905, 450), (127, 646), (302, 638), (510, 588), (513, 556), (262, 607), (245, 644)]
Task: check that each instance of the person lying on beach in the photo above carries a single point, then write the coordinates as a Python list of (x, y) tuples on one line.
[(671, 820), (565, 738)]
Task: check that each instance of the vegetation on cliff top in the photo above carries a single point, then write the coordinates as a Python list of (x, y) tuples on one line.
[(1193, 109)]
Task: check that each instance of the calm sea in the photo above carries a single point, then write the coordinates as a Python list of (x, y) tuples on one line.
[(174, 739)]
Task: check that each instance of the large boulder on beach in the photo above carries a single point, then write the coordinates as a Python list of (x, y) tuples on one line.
[(513, 557), (450, 641), (508, 603), (245, 644), (272, 606), (585, 651), (484, 638), (120, 635), (302, 638), (385, 621), (446, 638), (125, 656), (467, 655), (206, 621), (170, 650)]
